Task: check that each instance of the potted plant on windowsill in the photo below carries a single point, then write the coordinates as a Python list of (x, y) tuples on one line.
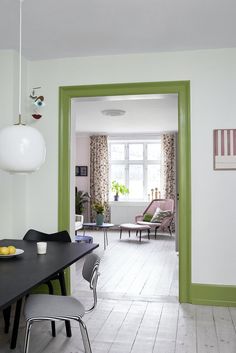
[(118, 189), (99, 208)]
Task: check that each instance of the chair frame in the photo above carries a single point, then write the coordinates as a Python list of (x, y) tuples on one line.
[(83, 328), (166, 222), (35, 235)]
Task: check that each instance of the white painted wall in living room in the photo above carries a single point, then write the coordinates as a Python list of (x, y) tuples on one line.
[(213, 84), (82, 158), (13, 188), (125, 212)]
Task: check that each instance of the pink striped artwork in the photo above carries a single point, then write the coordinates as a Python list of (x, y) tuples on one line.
[(224, 146)]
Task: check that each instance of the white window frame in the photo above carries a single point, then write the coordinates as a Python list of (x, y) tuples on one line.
[(126, 162)]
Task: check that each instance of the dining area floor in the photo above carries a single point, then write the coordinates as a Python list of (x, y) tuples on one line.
[(138, 309)]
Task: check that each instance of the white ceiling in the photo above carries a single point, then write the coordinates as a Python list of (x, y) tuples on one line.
[(144, 115), (63, 28)]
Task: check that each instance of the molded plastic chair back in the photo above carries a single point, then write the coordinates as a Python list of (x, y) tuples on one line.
[(90, 274), (91, 264), (62, 236), (35, 235)]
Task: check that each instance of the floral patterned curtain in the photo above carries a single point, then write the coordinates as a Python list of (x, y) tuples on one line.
[(168, 166), (99, 174)]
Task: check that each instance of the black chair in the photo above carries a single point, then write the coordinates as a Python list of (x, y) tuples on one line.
[(35, 235)]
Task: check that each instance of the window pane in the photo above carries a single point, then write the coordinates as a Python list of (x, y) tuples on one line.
[(118, 173), (153, 178), (135, 181), (117, 151), (136, 151), (153, 151)]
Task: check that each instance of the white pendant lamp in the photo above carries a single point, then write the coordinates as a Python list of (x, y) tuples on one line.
[(22, 148)]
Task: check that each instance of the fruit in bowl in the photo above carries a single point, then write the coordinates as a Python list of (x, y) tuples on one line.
[(12, 249), (7, 250)]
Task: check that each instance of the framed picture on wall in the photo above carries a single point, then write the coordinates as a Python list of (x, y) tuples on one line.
[(81, 170), (224, 145)]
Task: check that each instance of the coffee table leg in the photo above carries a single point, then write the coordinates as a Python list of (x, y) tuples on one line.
[(104, 235), (16, 324), (140, 235), (107, 237), (120, 232)]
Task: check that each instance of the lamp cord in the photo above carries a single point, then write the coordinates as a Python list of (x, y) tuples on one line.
[(20, 63)]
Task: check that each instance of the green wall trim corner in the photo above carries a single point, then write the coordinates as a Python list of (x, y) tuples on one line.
[(210, 294), (182, 88)]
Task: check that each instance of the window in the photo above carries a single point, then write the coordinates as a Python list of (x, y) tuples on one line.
[(137, 165)]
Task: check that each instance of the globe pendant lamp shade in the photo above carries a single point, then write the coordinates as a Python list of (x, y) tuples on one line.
[(22, 149)]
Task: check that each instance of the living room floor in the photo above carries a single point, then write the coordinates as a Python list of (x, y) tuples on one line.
[(133, 270)]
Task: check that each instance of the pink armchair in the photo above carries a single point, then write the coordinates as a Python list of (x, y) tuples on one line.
[(164, 205)]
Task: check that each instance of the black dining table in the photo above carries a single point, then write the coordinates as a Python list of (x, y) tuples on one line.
[(22, 273)]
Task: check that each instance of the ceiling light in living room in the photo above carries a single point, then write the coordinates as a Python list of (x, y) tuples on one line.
[(113, 112)]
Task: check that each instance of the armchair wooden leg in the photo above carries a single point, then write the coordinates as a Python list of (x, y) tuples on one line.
[(156, 232)]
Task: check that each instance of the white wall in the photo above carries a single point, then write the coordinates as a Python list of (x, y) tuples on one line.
[(12, 188), (125, 212), (213, 85), (82, 158)]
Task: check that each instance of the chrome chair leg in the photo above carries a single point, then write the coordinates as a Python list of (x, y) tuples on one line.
[(85, 337), (27, 336)]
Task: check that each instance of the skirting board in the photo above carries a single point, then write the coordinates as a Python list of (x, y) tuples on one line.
[(210, 294)]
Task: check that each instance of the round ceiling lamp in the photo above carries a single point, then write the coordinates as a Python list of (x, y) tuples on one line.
[(113, 112), (22, 148)]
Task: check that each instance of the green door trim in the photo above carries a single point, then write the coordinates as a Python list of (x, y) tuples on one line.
[(182, 88)]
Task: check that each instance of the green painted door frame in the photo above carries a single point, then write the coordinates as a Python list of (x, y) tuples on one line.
[(182, 88)]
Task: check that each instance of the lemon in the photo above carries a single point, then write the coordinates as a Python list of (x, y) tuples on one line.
[(4, 250), (12, 249)]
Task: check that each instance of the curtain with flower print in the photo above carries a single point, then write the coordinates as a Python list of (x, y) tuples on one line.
[(99, 174), (168, 167)]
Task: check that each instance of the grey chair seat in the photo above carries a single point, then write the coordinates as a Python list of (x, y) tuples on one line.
[(52, 306)]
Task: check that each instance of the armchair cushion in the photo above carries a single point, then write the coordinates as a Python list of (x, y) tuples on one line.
[(159, 216), (147, 217)]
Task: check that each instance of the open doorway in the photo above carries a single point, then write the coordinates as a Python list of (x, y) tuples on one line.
[(135, 142), (182, 90)]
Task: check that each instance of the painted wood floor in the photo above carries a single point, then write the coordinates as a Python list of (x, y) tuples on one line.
[(133, 270), (125, 321)]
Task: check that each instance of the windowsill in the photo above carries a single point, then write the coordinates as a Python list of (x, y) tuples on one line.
[(128, 203)]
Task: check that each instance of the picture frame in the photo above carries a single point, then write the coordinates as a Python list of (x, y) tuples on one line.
[(224, 149), (81, 170)]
